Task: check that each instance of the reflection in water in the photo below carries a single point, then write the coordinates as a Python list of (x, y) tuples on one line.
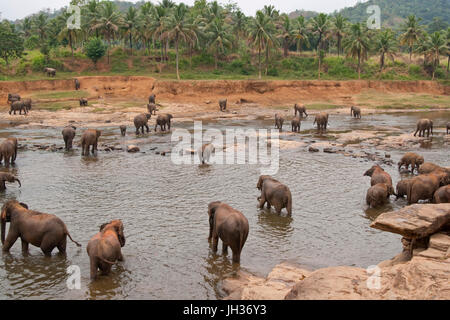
[(275, 224), (219, 267)]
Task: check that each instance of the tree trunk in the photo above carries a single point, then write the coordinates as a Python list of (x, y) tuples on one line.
[(259, 62), (410, 55), (382, 62), (109, 46), (359, 66), (339, 46), (286, 49), (71, 45), (448, 63), (176, 49), (267, 60), (319, 64), (131, 44)]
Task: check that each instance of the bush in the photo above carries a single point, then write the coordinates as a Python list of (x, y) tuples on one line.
[(32, 42), (203, 59), (119, 66), (38, 64), (95, 49)]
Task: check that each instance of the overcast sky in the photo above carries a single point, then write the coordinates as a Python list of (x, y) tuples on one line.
[(18, 9)]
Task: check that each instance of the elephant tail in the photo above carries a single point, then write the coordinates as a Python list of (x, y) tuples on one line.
[(242, 239), (68, 234), (104, 260), (289, 205), (409, 191)]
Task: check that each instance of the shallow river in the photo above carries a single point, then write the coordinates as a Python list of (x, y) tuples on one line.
[(164, 210)]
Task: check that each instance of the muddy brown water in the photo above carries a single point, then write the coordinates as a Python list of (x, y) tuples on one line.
[(164, 210)]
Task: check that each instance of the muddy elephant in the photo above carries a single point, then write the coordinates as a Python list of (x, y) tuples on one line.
[(378, 175), (402, 188), (151, 107), (12, 97), (274, 193), (322, 122), (7, 177), (42, 230), (83, 102), (223, 104), (424, 125), (424, 186), (104, 249), (77, 84), (413, 159), (162, 120), (205, 151), (50, 72), (68, 134), (429, 167), (230, 225), (301, 109), (378, 194), (152, 99), (8, 151), (15, 142), (89, 138), (27, 103), (279, 120), (442, 195), (295, 123), (141, 121), (355, 112), (18, 106), (123, 130)]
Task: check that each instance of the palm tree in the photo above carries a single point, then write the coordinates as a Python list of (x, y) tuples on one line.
[(260, 34), (411, 33), (158, 25), (108, 22), (219, 38), (357, 44), (438, 46), (385, 46), (27, 26), (179, 29), (130, 23), (339, 30), (66, 33), (300, 32), (286, 33), (239, 19), (144, 22), (40, 25), (448, 49), (422, 47), (320, 26)]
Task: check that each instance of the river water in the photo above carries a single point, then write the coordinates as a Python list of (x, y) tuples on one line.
[(164, 210)]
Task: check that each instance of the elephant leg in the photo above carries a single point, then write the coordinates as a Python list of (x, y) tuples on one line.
[(120, 257), (224, 248), (148, 129), (2, 185), (268, 204), (236, 254), (47, 246), (215, 243), (93, 267), (262, 201), (62, 245), (278, 208), (10, 240), (416, 132), (24, 246)]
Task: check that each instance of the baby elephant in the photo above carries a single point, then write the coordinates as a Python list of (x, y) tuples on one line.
[(7, 177), (228, 224), (205, 151), (378, 194), (442, 195), (141, 121), (89, 138), (378, 175), (68, 135), (322, 122), (422, 126), (83, 102), (162, 120), (355, 112), (296, 122), (151, 107), (279, 120), (274, 193), (18, 106), (123, 130), (223, 104), (104, 248), (402, 188), (412, 159), (301, 109)]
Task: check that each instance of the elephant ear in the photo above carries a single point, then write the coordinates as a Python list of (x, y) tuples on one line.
[(103, 226), (212, 208), (24, 205)]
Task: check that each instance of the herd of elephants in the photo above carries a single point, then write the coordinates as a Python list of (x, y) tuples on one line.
[(47, 231)]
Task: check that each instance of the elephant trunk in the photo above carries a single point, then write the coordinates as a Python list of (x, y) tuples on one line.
[(20, 185)]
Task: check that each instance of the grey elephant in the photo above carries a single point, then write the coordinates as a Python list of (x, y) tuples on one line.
[(7, 177), (448, 127), (279, 120), (223, 104), (230, 225), (13, 97), (274, 193), (429, 167), (42, 230), (413, 159), (68, 134), (295, 123), (151, 107), (402, 188), (442, 195), (378, 194), (162, 120), (15, 143), (152, 99), (424, 186), (28, 104), (18, 106), (50, 72), (301, 109), (123, 130), (424, 125), (83, 102), (89, 138), (378, 175), (355, 112), (141, 121), (8, 151), (322, 121), (77, 84), (104, 249)]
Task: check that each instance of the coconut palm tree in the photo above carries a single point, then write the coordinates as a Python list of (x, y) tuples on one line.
[(411, 33), (357, 44), (158, 25), (90, 16), (66, 33), (144, 21), (238, 20), (448, 48), (27, 27), (437, 46), (339, 25), (385, 46), (300, 32), (320, 25), (40, 25), (422, 47), (286, 30), (179, 29), (130, 24), (219, 38)]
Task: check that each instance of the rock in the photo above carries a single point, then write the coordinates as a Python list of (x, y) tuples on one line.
[(234, 112), (387, 155), (107, 121), (312, 149), (208, 102), (329, 150), (133, 149)]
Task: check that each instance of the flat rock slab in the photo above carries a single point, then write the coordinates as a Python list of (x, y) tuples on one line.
[(415, 221)]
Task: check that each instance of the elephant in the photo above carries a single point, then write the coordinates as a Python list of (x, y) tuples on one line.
[(223, 104), (355, 112), (7, 177), (162, 120), (77, 84), (301, 109), (442, 195), (378, 175), (429, 167), (50, 71), (279, 120), (12, 97), (274, 193), (123, 130), (8, 151), (104, 249), (141, 121), (296, 122), (89, 138), (18, 106), (68, 134), (424, 125), (448, 127), (83, 102), (205, 151), (402, 188), (152, 99), (230, 225), (322, 122), (413, 159), (424, 186), (378, 194), (15, 142), (42, 230), (27, 103), (151, 107)]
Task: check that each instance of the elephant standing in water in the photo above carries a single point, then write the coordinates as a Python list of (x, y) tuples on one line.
[(123, 130), (429, 167), (68, 134), (141, 121), (162, 120), (7, 177), (42, 230), (378, 175), (448, 127), (205, 152), (424, 125), (230, 225), (89, 138), (424, 186), (442, 195), (8, 151), (322, 121), (15, 142), (279, 120), (295, 123), (301, 109), (274, 193), (378, 194), (104, 249), (413, 159), (402, 188), (355, 112)]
